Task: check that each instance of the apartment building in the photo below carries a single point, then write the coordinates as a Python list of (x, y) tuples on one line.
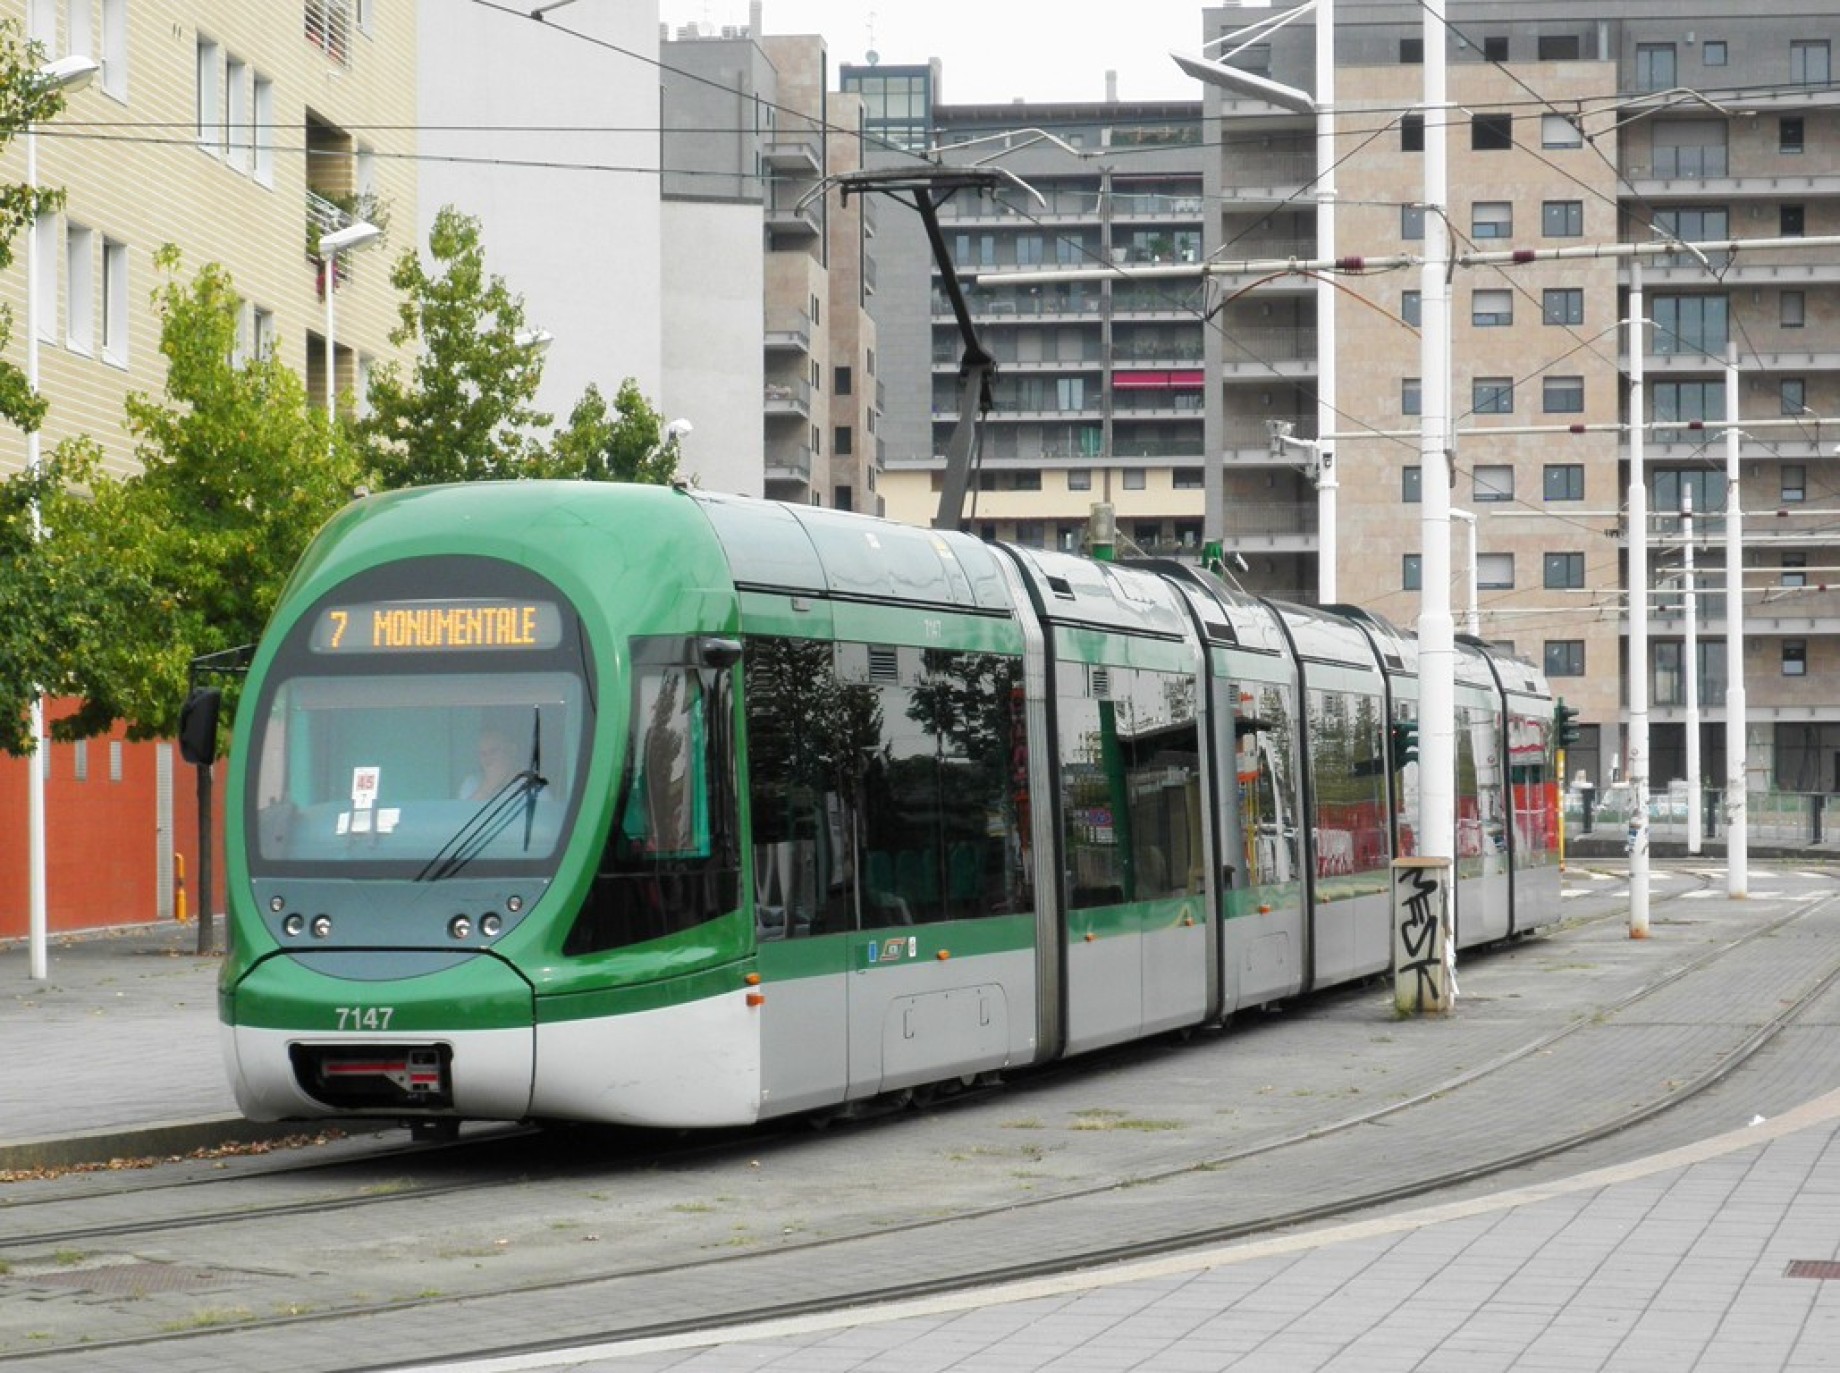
[(238, 133), (753, 131), (1632, 122), (1098, 391)]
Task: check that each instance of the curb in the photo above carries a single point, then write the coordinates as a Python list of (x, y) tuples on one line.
[(158, 1140)]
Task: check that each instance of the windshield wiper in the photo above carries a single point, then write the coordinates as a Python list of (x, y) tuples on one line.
[(494, 815)]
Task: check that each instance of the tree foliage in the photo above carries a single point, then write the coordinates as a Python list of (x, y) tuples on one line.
[(143, 573), (463, 411), (626, 443)]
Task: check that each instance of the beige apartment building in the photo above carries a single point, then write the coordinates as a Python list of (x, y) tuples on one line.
[(239, 133)]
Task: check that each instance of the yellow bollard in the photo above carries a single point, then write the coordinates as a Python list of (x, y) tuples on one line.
[(179, 911)]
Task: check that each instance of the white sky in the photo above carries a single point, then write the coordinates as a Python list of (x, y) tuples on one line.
[(992, 51)]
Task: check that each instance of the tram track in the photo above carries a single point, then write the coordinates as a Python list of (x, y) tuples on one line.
[(1444, 1096)]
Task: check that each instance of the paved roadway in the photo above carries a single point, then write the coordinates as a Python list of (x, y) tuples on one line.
[(1714, 1245)]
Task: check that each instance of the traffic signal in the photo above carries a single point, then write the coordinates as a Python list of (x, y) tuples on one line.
[(1405, 743), (1565, 724)]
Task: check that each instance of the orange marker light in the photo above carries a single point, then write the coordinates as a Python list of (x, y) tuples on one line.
[(753, 979), (943, 955), (756, 998)]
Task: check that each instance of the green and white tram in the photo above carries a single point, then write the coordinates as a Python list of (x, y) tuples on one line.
[(618, 803)]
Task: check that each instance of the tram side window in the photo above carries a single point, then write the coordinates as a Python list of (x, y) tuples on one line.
[(1266, 752), (1482, 821), (671, 862), (1351, 805), (887, 785), (1130, 783), (810, 735)]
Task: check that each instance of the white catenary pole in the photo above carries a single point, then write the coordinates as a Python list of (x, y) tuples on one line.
[(1636, 750), (1737, 817), (1692, 670)]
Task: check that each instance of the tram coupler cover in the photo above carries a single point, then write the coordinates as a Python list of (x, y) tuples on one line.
[(1424, 949)]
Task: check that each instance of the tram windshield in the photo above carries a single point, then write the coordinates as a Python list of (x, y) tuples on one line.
[(423, 775)]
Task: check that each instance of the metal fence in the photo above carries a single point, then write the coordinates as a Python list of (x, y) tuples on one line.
[(1785, 819)]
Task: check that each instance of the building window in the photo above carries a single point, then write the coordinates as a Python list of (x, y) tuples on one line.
[(1808, 62), (1713, 52), (1412, 133), (1794, 309), (1135, 479), (1562, 305), (80, 286), (1495, 47), (1690, 324), (1491, 133), (1411, 572), (1563, 481), (1792, 220), (1560, 131), (114, 52), (1558, 47), (1795, 569), (210, 96), (1190, 479), (1411, 484), (1794, 391), (1795, 658), (843, 441), (1412, 308), (1655, 67), (1790, 136), (1411, 52), (263, 167), (1411, 396), (239, 130), (1411, 221), (115, 302), (1562, 218), (841, 381), (1564, 571), (1492, 219), (1495, 572), (1564, 657), (1491, 309), (1492, 396), (1562, 395), (1079, 479), (1794, 483), (1493, 483)]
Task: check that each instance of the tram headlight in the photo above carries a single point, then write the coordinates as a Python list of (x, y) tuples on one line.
[(460, 927), (293, 925), (276, 903), (490, 925), (514, 904), (322, 926)]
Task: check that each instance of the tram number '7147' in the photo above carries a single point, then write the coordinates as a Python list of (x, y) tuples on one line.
[(364, 1017)]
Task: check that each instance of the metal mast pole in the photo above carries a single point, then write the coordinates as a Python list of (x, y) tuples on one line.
[(1436, 642), (1692, 671), (1636, 752), (1327, 552), (1737, 814)]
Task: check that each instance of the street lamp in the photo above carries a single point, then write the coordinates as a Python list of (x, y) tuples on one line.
[(359, 234), (66, 74), (1321, 104)]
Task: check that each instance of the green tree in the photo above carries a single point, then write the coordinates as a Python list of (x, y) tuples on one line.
[(188, 555), (628, 443), (464, 411)]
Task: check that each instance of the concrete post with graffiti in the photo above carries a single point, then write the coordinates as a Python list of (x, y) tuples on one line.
[(1424, 943)]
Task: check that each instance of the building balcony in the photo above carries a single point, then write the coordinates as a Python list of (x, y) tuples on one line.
[(788, 400), (788, 330), (788, 463), (1275, 526), (794, 219), (1280, 177), (794, 154), (1710, 175)]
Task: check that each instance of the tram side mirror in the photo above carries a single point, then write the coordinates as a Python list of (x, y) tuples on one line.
[(198, 726), (720, 653)]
